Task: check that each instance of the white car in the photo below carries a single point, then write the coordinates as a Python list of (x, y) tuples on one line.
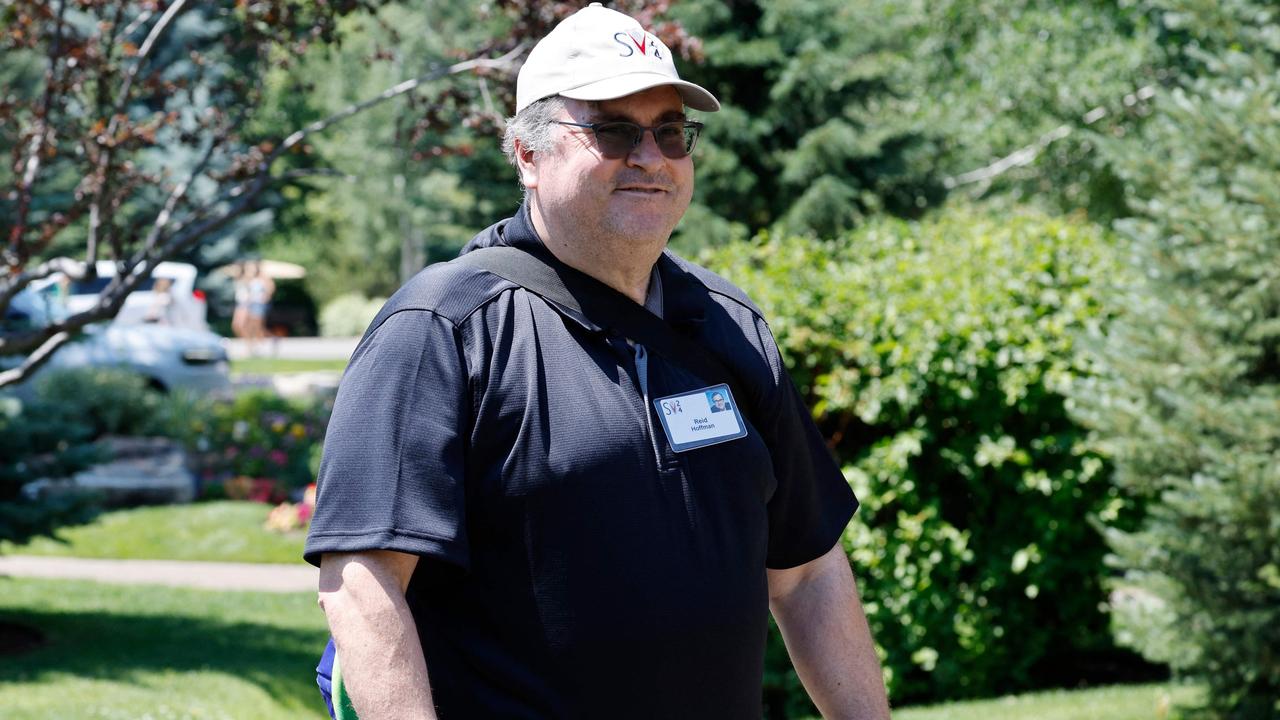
[(167, 357), (186, 307)]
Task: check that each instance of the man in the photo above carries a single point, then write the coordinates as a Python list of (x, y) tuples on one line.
[(506, 523)]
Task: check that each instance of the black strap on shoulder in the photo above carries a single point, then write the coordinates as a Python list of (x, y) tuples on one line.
[(555, 281)]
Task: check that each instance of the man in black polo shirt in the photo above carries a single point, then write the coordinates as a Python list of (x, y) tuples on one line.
[(526, 513)]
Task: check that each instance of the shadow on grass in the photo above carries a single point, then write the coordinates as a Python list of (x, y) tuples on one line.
[(116, 646)]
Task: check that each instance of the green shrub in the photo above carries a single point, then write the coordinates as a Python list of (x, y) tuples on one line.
[(348, 315), (52, 435), (41, 440), (110, 401), (936, 355)]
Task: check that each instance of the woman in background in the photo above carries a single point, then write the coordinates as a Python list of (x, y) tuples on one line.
[(253, 298)]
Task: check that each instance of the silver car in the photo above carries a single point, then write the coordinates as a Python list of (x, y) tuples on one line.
[(167, 357)]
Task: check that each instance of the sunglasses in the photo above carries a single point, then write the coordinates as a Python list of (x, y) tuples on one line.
[(616, 139)]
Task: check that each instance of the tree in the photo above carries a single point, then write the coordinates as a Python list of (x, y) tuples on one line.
[(127, 131), (836, 111), (415, 178), (1189, 403), (411, 183)]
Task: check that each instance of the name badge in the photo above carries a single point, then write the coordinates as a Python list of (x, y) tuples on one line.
[(700, 418)]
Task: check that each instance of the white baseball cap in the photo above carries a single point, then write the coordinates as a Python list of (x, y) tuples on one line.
[(601, 54)]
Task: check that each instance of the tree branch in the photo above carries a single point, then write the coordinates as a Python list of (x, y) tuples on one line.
[(1018, 158), (506, 62), (33, 361), (244, 193), (13, 283), (109, 303), (179, 191), (31, 168), (157, 31), (102, 171), (166, 241), (1027, 155), (138, 22)]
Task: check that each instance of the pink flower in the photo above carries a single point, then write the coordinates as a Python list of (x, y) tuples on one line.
[(278, 457)]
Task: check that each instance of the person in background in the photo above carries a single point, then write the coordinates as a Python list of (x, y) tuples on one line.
[(161, 309), (254, 290), (240, 317)]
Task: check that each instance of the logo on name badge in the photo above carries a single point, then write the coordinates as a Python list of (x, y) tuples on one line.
[(700, 418)]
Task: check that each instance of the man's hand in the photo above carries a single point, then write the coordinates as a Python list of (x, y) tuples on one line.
[(820, 615), (382, 663)]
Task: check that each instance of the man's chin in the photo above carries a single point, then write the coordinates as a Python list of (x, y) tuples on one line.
[(654, 223)]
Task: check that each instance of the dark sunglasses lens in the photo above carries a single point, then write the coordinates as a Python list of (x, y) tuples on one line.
[(617, 139), (675, 140)]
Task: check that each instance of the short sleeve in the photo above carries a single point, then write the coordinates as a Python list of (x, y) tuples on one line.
[(391, 476), (813, 502)]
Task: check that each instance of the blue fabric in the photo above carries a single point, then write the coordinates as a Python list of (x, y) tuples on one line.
[(324, 676), (572, 564)]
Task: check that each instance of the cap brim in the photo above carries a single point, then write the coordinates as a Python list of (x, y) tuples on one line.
[(694, 96)]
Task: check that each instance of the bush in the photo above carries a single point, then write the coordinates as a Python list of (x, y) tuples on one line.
[(257, 446), (936, 356), (53, 435), (110, 401), (39, 440), (348, 315)]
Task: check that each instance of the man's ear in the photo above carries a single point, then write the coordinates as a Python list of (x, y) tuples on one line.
[(527, 165)]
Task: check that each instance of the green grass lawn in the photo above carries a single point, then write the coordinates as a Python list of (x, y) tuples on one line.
[(224, 531), (271, 366), (1123, 702), (148, 651), (123, 652)]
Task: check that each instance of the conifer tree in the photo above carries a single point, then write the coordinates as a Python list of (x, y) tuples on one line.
[(1188, 402)]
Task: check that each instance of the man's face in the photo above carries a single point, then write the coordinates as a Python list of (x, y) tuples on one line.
[(719, 401), (637, 199)]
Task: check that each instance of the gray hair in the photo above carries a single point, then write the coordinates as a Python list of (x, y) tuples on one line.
[(532, 126)]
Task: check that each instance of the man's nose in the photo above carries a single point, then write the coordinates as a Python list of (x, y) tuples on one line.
[(646, 155)]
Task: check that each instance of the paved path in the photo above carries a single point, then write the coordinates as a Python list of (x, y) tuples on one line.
[(295, 348), (301, 384), (206, 575)]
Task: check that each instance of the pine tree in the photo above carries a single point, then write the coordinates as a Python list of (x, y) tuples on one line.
[(1188, 402)]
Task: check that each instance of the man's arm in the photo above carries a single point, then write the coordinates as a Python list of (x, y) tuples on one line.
[(382, 663), (818, 610)]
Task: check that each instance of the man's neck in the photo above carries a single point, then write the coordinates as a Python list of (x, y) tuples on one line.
[(623, 265)]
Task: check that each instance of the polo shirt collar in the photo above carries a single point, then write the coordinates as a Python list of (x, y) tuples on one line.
[(680, 297)]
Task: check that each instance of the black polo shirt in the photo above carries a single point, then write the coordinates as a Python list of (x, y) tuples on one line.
[(573, 565)]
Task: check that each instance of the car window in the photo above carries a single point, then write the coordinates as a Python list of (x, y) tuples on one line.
[(98, 284)]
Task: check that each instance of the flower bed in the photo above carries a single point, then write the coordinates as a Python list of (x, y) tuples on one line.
[(258, 446)]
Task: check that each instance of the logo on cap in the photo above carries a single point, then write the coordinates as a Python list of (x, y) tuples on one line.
[(643, 43)]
